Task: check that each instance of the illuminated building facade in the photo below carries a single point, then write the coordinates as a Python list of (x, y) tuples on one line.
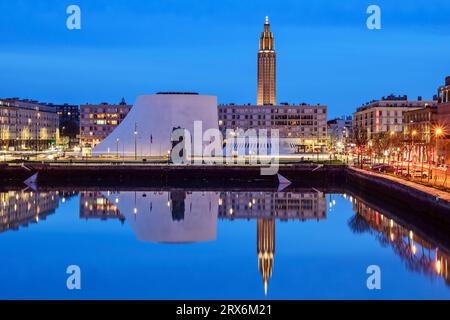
[(97, 121), (340, 133), (267, 68), (386, 115), (69, 124), (302, 128), (444, 122), (27, 125), (421, 121), (419, 124)]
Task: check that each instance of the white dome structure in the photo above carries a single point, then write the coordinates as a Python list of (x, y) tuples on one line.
[(146, 130)]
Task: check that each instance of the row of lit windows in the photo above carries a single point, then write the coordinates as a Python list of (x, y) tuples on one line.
[(272, 117), (263, 111)]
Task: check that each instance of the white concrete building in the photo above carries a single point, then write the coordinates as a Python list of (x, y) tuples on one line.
[(148, 127)]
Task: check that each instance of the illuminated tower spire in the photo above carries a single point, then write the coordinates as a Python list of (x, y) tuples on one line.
[(266, 249), (266, 67)]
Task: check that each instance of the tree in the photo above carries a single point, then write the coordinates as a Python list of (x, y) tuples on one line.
[(381, 143), (360, 139)]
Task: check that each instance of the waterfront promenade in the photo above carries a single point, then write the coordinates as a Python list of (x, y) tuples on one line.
[(428, 190)]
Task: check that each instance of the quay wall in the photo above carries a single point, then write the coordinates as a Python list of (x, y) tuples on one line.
[(79, 176)]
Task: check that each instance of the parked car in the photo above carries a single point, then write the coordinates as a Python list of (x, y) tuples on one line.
[(417, 173), (382, 167), (403, 171)]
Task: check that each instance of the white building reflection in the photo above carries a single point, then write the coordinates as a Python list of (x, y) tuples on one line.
[(184, 217), (169, 217)]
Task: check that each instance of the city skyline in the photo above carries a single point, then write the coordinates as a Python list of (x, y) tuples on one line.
[(199, 150), (319, 47)]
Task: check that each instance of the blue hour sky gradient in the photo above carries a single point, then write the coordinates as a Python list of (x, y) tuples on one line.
[(128, 48)]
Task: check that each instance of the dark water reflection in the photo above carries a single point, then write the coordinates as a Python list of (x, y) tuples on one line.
[(183, 217)]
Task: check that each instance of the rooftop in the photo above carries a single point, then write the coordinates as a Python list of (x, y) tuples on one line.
[(178, 93), (283, 104)]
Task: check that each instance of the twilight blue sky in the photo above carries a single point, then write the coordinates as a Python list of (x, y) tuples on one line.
[(129, 47)]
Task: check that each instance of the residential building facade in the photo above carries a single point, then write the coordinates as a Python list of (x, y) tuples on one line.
[(340, 133), (97, 121), (443, 119), (27, 125), (69, 124), (418, 126), (386, 115), (421, 122), (302, 128)]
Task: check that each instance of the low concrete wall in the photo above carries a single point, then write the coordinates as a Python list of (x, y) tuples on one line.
[(400, 193), (214, 177), (182, 175)]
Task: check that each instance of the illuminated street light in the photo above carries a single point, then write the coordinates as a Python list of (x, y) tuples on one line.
[(438, 132), (117, 149)]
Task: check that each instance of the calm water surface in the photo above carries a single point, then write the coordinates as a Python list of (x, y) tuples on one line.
[(177, 244)]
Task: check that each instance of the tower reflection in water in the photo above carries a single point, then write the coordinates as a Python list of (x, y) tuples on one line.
[(267, 207), (186, 217)]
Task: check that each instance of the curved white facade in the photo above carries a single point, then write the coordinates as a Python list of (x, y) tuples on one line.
[(146, 130)]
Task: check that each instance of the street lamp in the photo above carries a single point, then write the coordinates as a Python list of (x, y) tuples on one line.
[(29, 133), (413, 134), (117, 148), (37, 135), (135, 141), (438, 132)]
